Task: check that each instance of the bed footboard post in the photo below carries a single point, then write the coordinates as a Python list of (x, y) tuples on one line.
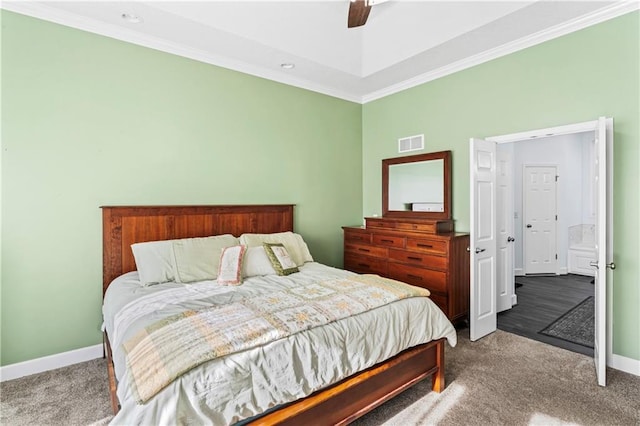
[(115, 406), (437, 380)]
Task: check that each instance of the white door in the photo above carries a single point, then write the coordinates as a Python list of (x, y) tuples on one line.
[(482, 309), (504, 228), (600, 190), (540, 216), (483, 179)]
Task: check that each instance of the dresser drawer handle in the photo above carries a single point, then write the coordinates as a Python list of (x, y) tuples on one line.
[(417, 277), (414, 258), (425, 245), (364, 250), (387, 241)]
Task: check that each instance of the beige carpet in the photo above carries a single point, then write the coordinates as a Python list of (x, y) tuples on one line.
[(502, 379)]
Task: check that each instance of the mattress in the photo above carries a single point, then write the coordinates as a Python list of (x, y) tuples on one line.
[(245, 384)]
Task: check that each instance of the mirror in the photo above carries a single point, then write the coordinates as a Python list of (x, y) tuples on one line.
[(417, 186)]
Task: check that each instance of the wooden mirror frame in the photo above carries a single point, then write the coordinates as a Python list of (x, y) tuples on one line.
[(441, 155)]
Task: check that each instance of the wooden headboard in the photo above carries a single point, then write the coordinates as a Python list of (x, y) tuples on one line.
[(123, 226)]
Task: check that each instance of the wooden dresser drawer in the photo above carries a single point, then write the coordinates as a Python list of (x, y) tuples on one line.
[(426, 278), (366, 250), (365, 265), (388, 240), (374, 223), (420, 259), (419, 227), (356, 235), (427, 245)]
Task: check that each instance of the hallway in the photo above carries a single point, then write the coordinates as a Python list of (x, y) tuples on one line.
[(542, 300)]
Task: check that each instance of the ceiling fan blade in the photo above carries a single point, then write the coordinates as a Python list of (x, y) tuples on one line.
[(358, 13)]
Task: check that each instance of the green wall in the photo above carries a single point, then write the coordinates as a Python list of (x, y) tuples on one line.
[(579, 77), (90, 121)]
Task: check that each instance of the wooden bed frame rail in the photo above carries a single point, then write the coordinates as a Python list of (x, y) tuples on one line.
[(341, 403)]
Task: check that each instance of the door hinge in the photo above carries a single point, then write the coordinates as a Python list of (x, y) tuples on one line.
[(556, 217), (557, 176), (556, 256)]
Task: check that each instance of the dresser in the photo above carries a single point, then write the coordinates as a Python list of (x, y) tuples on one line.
[(423, 253)]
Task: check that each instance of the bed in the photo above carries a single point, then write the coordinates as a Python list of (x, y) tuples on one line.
[(333, 399)]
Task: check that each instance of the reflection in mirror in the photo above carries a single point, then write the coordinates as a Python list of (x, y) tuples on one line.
[(417, 186)]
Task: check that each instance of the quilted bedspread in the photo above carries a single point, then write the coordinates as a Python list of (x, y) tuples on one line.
[(257, 346)]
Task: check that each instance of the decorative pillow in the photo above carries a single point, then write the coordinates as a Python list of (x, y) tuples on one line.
[(256, 263), (294, 243), (280, 259), (154, 262), (231, 265), (197, 259)]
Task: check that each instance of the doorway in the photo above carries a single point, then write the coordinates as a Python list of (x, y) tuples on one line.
[(484, 237)]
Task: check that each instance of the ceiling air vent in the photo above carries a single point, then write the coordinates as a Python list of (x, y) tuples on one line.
[(411, 143)]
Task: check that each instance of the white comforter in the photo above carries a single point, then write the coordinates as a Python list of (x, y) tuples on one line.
[(245, 384)]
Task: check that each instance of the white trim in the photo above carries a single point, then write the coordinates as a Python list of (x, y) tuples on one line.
[(518, 272), (622, 363), (51, 362), (563, 270), (586, 126), (514, 300), (41, 11), (596, 17), (610, 280)]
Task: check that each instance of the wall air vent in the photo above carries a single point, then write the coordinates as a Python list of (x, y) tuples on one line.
[(411, 143)]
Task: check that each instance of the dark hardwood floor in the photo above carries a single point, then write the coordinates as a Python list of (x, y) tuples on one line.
[(542, 300)]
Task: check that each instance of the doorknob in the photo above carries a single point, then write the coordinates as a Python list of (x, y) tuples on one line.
[(510, 239), (529, 225), (611, 265), (479, 250)]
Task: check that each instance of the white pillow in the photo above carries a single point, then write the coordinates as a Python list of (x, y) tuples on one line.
[(256, 263), (154, 261), (231, 265), (294, 243), (198, 259)]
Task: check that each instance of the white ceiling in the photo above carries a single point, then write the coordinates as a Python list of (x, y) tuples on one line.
[(404, 43)]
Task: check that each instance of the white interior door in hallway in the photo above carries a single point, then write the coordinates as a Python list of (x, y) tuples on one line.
[(505, 239), (540, 217)]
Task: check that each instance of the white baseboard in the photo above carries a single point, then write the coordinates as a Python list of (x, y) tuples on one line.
[(514, 299), (563, 271), (51, 362), (518, 272), (622, 363)]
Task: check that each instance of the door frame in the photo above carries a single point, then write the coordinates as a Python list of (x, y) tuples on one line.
[(524, 231), (587, 126)]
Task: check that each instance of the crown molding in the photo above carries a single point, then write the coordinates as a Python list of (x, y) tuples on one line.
[(596, 17), (41, 11), (46, 13)]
